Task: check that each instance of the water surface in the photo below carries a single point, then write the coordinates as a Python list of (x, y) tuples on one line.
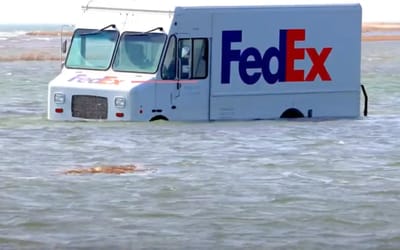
[(331, 184)]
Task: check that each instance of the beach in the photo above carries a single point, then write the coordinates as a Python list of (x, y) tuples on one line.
[(380, 32)]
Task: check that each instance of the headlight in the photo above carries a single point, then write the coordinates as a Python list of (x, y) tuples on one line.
[(120, 102), (59, 98)]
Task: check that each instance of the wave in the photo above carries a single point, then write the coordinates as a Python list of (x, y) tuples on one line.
[(11, 34)]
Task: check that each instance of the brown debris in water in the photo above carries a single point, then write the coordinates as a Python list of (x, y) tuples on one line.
[(123, 169)]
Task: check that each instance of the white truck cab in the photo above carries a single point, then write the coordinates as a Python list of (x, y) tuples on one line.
[(211, 63)]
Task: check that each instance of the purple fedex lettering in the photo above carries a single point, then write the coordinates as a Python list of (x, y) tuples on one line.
[(79, 78), (83, 78), (286, 55)]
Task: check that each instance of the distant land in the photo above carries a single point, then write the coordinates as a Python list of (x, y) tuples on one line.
[(371, 31), (380, 31)]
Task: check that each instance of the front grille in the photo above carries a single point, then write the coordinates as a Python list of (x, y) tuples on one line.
[(89, 107)]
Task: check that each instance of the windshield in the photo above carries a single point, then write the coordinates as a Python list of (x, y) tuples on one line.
[(92, 49), (139, 52)]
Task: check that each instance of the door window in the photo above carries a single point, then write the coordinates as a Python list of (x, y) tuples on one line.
[(168, 69), (191, 60), (200, 58)]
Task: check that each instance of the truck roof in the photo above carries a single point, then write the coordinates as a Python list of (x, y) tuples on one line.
[(166, 5), (144, 15)]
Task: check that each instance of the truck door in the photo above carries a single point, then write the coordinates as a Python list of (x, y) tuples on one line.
[(186, 66)]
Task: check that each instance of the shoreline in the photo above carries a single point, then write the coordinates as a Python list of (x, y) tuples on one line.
[(385, 31)]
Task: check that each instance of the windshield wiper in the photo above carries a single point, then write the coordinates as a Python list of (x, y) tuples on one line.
[(158, 28), (100, 30), (109, 26), (147, 32)]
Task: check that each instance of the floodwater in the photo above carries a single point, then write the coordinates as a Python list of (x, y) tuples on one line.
[(331, 184)]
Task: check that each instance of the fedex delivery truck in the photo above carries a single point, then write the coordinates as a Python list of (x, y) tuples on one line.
[(211, 63)]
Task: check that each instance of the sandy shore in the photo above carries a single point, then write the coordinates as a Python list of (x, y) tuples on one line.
[(386, 32), (49, 33)]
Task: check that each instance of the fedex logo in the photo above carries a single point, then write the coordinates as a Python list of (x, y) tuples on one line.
[(83, 78), (286, 56)]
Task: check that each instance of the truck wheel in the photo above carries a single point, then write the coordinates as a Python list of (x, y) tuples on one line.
[(292, 113), (159, 117)]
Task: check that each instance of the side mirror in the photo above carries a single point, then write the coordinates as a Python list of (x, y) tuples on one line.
[(64, 46)]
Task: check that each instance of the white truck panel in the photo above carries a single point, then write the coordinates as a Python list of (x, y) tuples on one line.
[(260, 29), (262, 62), (323, 28)]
